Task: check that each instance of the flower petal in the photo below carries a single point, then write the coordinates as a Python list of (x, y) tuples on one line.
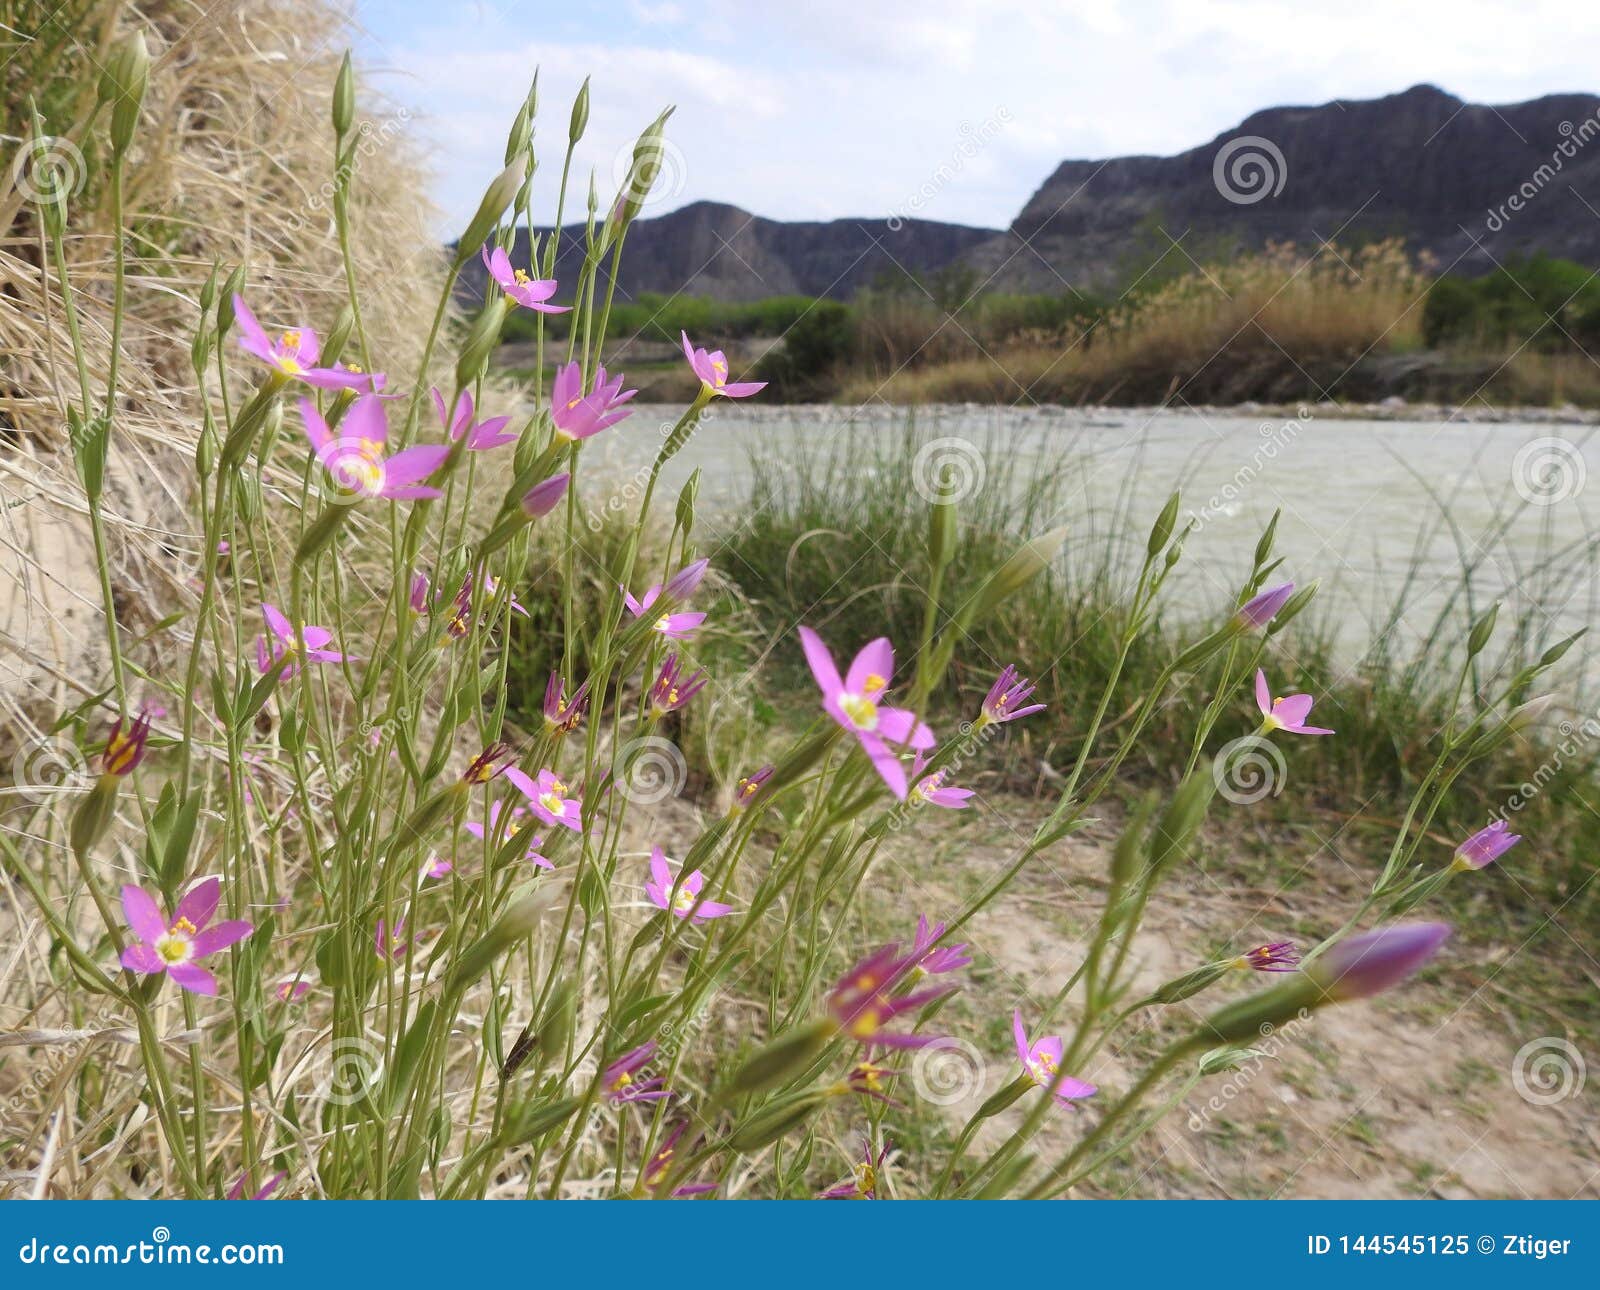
[(143, 915)]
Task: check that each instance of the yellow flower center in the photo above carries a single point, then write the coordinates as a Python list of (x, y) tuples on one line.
[(685, 900), (862, 711), (866, 1023), (552, 801), (520, 276), (1042, 1068), (663, 623), (177, 946)]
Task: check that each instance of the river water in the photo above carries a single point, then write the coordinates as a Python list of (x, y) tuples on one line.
[(1383, 511)]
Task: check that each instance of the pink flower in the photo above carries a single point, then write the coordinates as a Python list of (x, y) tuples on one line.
[(491, 588), (674, 687), (1260, 610), (481, 435), (660, 1165), (391, 943), (686, 903), (578, 415), (542, 498), (513, 819), (547, 798), (354, 457), (863, 1004), (936, 962), (678, 587), (1279, 956), (854, 703), (1485, 846), (291, 989), (1042, 1060), (294, 354), (418, 599), (749, 785), (863, 1183), (931, 788), (561, 712), (530, 293), (172, 947), (1376, 961), (284, 641), (712, 369), (1010, 688), (436, 867), (125, 744), (1288, 713), (620, 1083)]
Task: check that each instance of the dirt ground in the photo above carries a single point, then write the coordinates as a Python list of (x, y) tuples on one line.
[(1435, 1090)]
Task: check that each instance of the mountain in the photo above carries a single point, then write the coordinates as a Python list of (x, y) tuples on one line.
[(1445, 175), (1464, 184), (719, 251)]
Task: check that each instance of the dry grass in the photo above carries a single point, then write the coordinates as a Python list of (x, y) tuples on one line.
[(1222, 329), (233, 162)]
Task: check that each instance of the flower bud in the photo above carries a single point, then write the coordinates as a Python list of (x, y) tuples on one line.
[(580, 113), (344, 97), (481, 340), (781, 1058), (1024, 565), (773, 1122), (496, 198), (1161, 530), (1482, 630), (122, 84)]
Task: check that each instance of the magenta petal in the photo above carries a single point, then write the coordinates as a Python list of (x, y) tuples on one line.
[(884, 762), (199, 903), (412, 464), (144, 917), (742, 389), (876, 658), (193, 978), (279, 625), (659, 871), (366, 420), (821, 663), (1020, 1035), (1293, 710), (142, 958), (523, 782), (1070, 1088), (1263, 693), (221, 936)]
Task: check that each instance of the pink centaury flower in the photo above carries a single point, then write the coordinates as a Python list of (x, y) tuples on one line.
[(291, 989), (355, 456), (1279, 956), (936, 962), (864, 1182), (1288, 713), (418, 598), (547, 798), (674, 687), (1376, 961), (855, 703), (625, 1081), (295, 353), (390, 942), (284, 641), (712, 369), (932, 788), (862, 1002), (561, 711), (578, 415), (1260, 610), (173, 946), (1485, 846), (660, 1165), (530, 293), (686, 903), (125, 744), (680, 586), (1041, 1061), (543, 497), (480, 435), (1006, 699), (750, 785), (505, 823)]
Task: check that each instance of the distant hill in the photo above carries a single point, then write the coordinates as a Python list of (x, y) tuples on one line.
[(719, 251), (1468, 185)]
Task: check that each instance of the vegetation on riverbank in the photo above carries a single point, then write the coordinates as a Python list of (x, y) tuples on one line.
[(1347, 324)]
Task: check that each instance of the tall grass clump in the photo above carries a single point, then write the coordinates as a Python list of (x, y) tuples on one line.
[(325, 920)]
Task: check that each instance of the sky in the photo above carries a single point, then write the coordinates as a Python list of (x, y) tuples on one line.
[(952, 110)]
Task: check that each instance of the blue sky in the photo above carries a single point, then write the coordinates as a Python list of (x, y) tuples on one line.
[(820, 109)]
